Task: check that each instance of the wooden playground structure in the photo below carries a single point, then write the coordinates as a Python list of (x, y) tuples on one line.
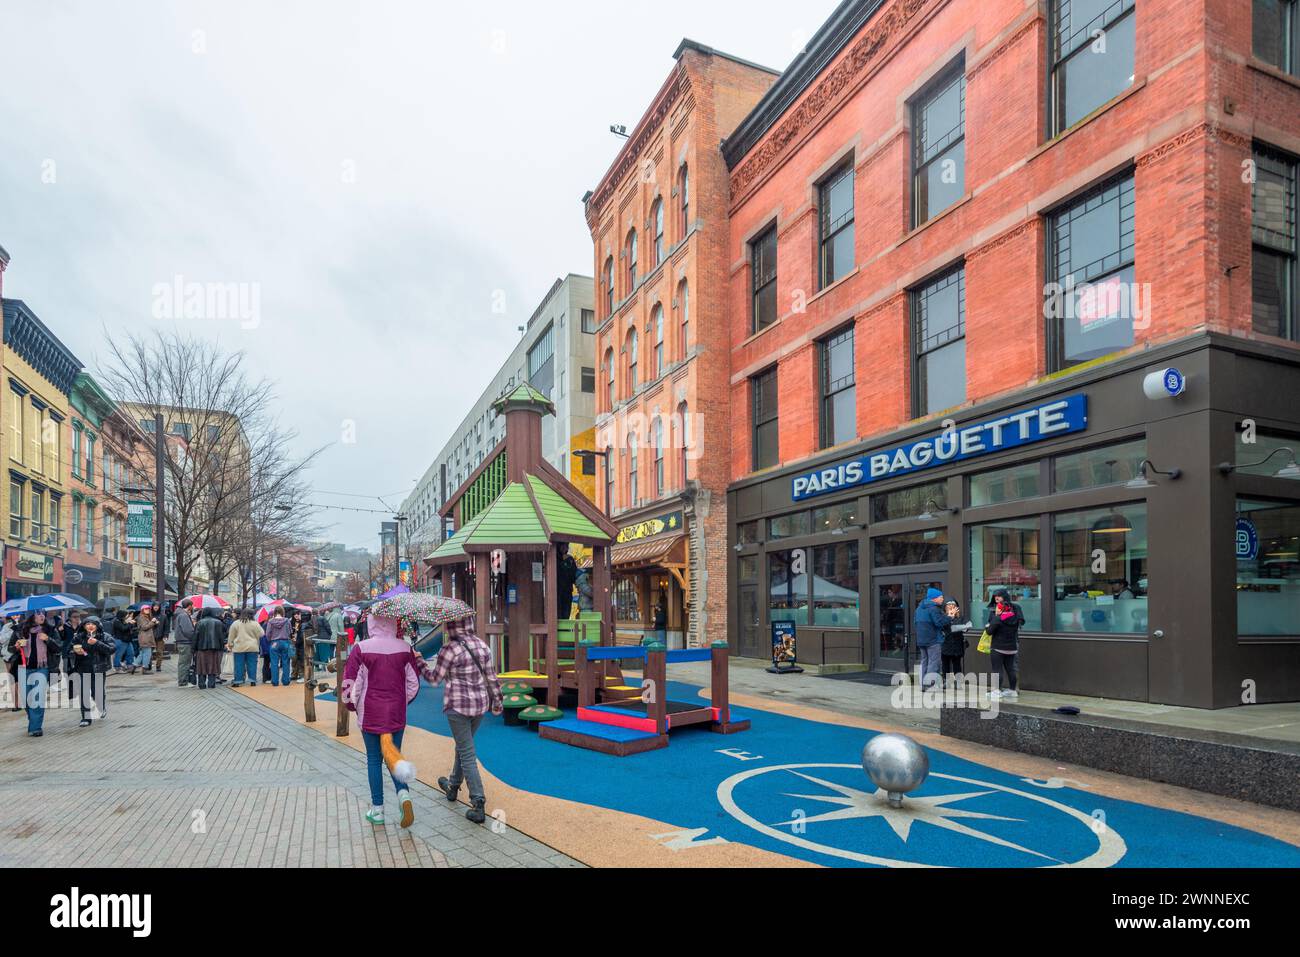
[(515, 517)]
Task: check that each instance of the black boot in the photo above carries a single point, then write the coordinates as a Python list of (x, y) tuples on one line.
[(475, 814), (445, 787)]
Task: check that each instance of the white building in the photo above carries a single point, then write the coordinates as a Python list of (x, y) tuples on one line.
[(556, 355)]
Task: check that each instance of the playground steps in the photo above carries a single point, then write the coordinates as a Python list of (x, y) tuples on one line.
[(634, 715), (605, 738)]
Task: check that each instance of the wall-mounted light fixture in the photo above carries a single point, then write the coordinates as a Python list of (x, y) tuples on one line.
[(1291, 471), (1142, 482)]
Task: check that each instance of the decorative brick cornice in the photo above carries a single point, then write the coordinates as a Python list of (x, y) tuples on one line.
[(1201, 131), (845, 75), (1004, 46), (677, 85), (997, 242)]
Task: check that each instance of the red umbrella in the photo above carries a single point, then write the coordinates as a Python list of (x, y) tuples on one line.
[(265, 611), (207, 601)]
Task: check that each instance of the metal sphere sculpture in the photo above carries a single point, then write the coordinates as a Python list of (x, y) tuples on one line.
[(896, 764)]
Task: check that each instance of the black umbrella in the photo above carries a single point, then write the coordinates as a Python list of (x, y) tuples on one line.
[(112, 603)]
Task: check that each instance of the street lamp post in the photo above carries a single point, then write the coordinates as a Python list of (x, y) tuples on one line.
[(586, 454)]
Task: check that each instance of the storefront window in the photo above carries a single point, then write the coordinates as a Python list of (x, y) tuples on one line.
[(835, 517), (1101, 570), (1006, 555), (787, 584), (1268, 568), (908, 502), (1012, 484), (787, 526), (913, 548), (747, 533), (1092, 468), (835, 585), (627, 601)]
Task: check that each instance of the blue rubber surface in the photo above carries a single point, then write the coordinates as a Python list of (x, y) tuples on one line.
[(606, 731), (796, 787)]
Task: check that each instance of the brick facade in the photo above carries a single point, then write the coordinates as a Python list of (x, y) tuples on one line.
[(702, 100), (1184, 128)]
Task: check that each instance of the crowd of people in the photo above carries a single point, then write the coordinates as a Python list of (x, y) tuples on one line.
[(77, 651), (942, 642)]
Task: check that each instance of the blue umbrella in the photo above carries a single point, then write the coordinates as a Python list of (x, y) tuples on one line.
[(31, 603)]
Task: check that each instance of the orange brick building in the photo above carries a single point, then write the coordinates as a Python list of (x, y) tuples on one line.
[(961, 237), (658, 222)]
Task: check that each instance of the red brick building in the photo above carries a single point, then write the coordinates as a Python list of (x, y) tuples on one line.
[(658, 220), (962, 236)]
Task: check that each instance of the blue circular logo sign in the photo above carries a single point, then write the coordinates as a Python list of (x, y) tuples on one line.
[(1247, 540), (1175, 382)]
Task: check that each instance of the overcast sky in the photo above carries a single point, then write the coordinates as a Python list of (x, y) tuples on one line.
[(376, 174)]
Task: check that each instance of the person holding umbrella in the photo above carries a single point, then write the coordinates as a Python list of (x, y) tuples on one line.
[(92, 654), (38, 648)]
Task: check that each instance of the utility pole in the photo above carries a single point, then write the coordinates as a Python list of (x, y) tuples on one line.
[(160, 562)]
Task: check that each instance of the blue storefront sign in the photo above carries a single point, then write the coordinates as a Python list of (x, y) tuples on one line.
[(1247, 540), (1048, 421)]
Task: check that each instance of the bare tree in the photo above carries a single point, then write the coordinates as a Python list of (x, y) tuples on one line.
[(230, 474)]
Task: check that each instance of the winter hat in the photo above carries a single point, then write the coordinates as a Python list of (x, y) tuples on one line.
[(932, 594)]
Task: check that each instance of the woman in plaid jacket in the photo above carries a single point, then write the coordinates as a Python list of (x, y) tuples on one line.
[(472, 690)]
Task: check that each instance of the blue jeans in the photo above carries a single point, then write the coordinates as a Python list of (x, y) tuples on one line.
[(246, 664), (146, 656), (929, 661), (375, 767), (123, 652), (281, 657), (36, 693)]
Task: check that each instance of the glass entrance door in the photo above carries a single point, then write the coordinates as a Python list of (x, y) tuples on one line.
[(751, 624), (896, 601)]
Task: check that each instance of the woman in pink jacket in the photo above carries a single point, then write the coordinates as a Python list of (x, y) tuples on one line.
[(379, 681)]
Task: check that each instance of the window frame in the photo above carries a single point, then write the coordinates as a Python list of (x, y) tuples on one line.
[(1290, 38), (828, 390), (956, 73), (760, 281), (1056, 124), (756, 383), (1262, 240), (630, 250), (657, 224), (917, 303), (828, 232)]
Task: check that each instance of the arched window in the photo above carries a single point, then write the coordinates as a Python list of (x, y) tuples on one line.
[(657, 321), (683, 440), (631, 262), (657, 217), (684, 196), (609, 371), (631, 471), (609, 479), (684, 310), (658, 440), (609, 287), (631, 362)]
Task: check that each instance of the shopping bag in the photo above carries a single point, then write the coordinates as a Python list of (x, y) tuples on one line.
[(228, 664), (986, 643)]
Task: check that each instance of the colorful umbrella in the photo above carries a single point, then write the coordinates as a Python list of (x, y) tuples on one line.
[(266, 611), (418, 608), (393, 592), (207, 601), (31, 603), (328, 606)]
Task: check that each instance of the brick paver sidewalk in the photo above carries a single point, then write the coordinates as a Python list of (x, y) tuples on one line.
[(190, 778)]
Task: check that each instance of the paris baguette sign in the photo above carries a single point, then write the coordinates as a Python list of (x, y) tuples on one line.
[(1025, 427)]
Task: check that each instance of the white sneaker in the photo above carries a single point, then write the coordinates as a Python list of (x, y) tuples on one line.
[(995, 694), (1011, 694), (408, 809), (375, 815)]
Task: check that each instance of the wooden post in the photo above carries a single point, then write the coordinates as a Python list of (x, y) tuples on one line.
[(656, 671), (550, 570), (483, 599), (341, 660), (601, 595), (586, 682), (718, 694), (308, 678)]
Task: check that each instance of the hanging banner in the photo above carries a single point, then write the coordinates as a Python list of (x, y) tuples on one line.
[(139, 525)]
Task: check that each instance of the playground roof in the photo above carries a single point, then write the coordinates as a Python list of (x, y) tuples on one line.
[(526, 516), (524, 395)]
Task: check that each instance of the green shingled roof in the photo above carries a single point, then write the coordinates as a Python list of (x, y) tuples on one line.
[(524, 394), (564, 520), (510, 520), (454, 548)]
